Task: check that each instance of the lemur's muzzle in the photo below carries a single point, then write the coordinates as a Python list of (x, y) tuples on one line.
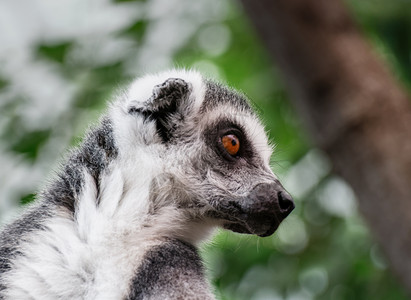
[(262, 211)]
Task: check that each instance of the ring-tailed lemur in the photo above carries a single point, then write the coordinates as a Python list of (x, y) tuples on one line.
[(175, 156)]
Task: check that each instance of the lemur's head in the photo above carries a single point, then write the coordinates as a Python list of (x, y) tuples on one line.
[(208, 150)]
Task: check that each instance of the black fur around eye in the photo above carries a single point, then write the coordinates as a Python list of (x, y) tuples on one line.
[(224, 132)]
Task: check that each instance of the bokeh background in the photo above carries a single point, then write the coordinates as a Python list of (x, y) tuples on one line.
[(61, 61)]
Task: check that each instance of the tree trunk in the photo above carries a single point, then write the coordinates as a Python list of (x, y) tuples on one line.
[(353, 108)]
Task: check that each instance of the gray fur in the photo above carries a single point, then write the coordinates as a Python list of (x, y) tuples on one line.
[(217, 94), (95, 153), (165, 272), (11, 236)]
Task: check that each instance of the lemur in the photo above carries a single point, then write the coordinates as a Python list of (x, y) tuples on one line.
[(175, 156)]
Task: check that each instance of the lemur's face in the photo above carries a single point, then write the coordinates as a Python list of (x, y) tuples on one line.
[(218, 154)]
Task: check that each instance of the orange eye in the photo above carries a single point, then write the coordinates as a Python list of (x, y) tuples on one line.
[(231, 143)]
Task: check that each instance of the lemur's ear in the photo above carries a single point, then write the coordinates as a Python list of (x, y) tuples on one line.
[(163, 105), (165, 97)]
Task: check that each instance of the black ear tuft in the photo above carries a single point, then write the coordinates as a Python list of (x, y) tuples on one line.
[(169, 94), (163, 105)]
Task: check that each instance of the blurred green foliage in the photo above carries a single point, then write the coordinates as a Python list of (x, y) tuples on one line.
[(323, 251)]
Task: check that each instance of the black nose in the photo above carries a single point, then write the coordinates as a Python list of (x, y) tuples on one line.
[(267, 205), (268, 199), (285, 203)]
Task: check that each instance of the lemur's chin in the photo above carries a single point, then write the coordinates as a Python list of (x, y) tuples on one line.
[(262, 228), (270, 231)]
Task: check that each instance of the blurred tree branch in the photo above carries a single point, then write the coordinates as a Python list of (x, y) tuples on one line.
[(352, 106)]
